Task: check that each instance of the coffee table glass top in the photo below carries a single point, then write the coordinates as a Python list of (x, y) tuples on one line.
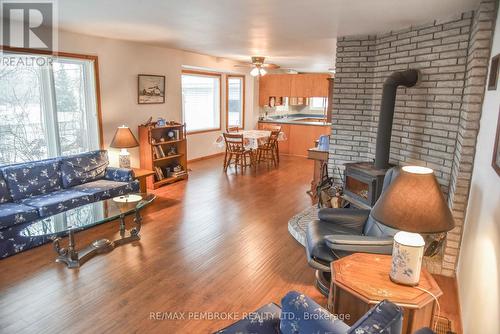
[(85, 216)]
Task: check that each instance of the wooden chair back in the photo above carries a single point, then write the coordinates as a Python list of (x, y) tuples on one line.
[(273, 139), (271, 127), (234, 142), (232, 129)]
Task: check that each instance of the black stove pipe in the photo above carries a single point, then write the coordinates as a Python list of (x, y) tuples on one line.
[(406, 78)]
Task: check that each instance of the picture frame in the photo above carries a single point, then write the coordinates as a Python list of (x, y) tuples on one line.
[(495, 163), (150, 89), (494, 69)]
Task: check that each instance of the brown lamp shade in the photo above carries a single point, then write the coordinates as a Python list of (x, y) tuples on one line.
[(413, 202), (124, 138)]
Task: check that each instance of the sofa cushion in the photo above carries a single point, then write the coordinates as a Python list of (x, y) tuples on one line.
[(58, 201), (266, 320), (119, 174), (16, 213), (4, 190), (83, 168), (32, 178), (104, 189)]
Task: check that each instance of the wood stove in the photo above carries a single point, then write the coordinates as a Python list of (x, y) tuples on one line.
[(364, 180), (363, 184)]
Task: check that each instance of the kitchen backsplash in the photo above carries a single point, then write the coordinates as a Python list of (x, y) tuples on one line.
[(289, 110)]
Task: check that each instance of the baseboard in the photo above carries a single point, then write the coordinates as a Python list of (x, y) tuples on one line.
[(206, 157)]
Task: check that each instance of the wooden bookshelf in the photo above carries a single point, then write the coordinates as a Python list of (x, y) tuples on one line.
[(156, 154)]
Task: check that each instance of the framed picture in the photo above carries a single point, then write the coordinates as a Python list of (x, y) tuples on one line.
[(493, 78), (151, 89), (496, 149)]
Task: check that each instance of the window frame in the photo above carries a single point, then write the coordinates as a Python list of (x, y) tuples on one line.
[(322, 109), (209, 74), (92, 58), (242, 77)]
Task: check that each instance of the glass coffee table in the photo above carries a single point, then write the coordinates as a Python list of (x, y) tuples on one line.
[(68, 222)]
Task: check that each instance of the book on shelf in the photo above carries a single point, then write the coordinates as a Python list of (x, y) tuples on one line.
[(162, 152), (179, 174), (158, 152), (159, 173)]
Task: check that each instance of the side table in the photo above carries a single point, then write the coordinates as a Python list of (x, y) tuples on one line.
[(359, 281), (141, 175)]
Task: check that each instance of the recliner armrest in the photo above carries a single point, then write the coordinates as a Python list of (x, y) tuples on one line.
[(351, 218), (359, 243)]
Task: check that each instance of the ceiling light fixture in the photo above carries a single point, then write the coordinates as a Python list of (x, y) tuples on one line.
[(254, 72), (258, 66)]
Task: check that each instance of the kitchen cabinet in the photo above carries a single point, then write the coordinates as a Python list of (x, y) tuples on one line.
[(320, 85), (299, 137), (292, 85)]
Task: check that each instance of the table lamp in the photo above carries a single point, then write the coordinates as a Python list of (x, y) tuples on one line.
[(123, 139), (413, 203)]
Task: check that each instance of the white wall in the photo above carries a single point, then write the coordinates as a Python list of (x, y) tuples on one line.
[(478, 272), (119, 64)]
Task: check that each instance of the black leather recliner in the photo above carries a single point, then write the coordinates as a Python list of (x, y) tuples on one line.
[(340, 232)]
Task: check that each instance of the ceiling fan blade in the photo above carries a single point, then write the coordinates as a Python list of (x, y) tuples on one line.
[(243, 65), (271, 66)]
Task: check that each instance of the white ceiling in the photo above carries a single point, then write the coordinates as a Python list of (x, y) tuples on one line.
[(291, 33)]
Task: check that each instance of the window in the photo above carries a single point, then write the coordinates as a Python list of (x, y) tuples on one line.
[(201, 101), (46, 111), (317, 103), (235, 104)]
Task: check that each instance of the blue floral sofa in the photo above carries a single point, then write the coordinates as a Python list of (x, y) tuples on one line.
[(33, 190), (299, 314)]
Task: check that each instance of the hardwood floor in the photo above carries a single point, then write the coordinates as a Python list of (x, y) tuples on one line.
[(216, 243)]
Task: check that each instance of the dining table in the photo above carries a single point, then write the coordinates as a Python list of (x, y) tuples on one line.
[(251, 138)]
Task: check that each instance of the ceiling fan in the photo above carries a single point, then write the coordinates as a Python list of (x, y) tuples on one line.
[(258, 66)]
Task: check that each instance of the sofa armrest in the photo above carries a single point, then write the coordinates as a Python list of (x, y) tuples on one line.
[(119, 174), (301, 314), (385, 317), (359, 243), (351, 218)]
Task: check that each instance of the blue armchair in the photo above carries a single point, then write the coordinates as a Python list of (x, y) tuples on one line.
[(300, 314)]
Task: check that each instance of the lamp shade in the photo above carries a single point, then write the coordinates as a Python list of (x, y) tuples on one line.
[(413, 202), (124, 138)]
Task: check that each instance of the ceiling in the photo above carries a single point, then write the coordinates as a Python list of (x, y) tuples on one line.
[(294, 34)]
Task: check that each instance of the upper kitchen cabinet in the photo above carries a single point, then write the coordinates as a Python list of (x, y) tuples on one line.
[(320, 85), (292, 85), (300, 85)]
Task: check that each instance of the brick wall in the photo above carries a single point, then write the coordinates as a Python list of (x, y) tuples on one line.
[(436, 121)]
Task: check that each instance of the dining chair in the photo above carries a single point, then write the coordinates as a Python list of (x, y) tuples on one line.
[(232, 129), (273, 127), (267, 151), (235, 148)]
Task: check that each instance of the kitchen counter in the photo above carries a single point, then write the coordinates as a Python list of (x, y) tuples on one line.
[(301, 135), (299, 119)]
